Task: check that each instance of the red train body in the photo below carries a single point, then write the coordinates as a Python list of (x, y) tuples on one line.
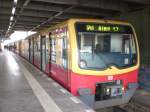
[(66, 53)]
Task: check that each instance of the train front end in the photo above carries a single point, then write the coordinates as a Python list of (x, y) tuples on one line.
[(105, 61)]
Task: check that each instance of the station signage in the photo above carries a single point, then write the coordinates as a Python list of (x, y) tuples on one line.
[(106, 28)]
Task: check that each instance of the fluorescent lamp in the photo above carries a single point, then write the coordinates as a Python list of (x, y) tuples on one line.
[(15, 1), (11, 18), (13, 10), (10, 23)]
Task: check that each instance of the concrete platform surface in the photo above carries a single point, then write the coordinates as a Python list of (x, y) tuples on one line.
[(24, 88)]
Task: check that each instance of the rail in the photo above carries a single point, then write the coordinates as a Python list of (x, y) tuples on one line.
[(132, 106)]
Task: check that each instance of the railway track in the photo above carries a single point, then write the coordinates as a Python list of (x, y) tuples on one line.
[(130, 107), (137, 107), (112, 109), (118, 109)]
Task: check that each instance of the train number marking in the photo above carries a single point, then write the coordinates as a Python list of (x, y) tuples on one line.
[(110, 77)]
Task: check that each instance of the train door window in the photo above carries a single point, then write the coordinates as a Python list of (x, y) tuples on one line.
[(62, 51), (47, 49), (37, 52), (47, 69), (35, 46), (43, 52), (59, 48), (31, 51), (65, 53), (53, 50), (62, 48), (26, 49)]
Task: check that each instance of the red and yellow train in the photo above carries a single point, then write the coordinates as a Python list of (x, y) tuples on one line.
[(97, 60)]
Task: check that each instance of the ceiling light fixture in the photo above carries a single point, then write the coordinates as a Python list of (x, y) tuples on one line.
[(15, 1), (11, 18), (10, 23), (13, 10)]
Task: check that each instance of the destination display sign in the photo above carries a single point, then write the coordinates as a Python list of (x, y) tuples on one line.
[(108, 28)]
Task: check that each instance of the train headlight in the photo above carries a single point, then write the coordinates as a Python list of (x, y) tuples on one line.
[(122, 88), (83, 64), (108, 91)]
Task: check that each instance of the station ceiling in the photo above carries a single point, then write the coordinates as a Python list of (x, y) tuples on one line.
[(32, 15)]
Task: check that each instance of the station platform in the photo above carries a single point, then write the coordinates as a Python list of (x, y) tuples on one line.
[(24, 88)]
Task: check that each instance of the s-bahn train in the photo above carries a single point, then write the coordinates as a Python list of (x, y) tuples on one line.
[(96, 60)]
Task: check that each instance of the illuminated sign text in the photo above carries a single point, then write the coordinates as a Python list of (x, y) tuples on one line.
[(102, 28)]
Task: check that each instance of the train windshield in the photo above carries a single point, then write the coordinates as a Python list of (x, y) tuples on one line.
[(102, 46)]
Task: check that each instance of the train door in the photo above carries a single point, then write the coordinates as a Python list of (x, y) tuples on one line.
[(52, 55), (27, 49), (63, 59), (59, 57), (43, 53), (20, 50), (37, 52), (30, 50), (47, 54)]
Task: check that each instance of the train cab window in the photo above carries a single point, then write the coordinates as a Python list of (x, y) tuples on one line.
[(105, 47), (132, 44), (126, 45)]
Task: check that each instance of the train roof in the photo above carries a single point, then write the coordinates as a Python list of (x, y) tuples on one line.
[(73, 20), (98, 20)]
